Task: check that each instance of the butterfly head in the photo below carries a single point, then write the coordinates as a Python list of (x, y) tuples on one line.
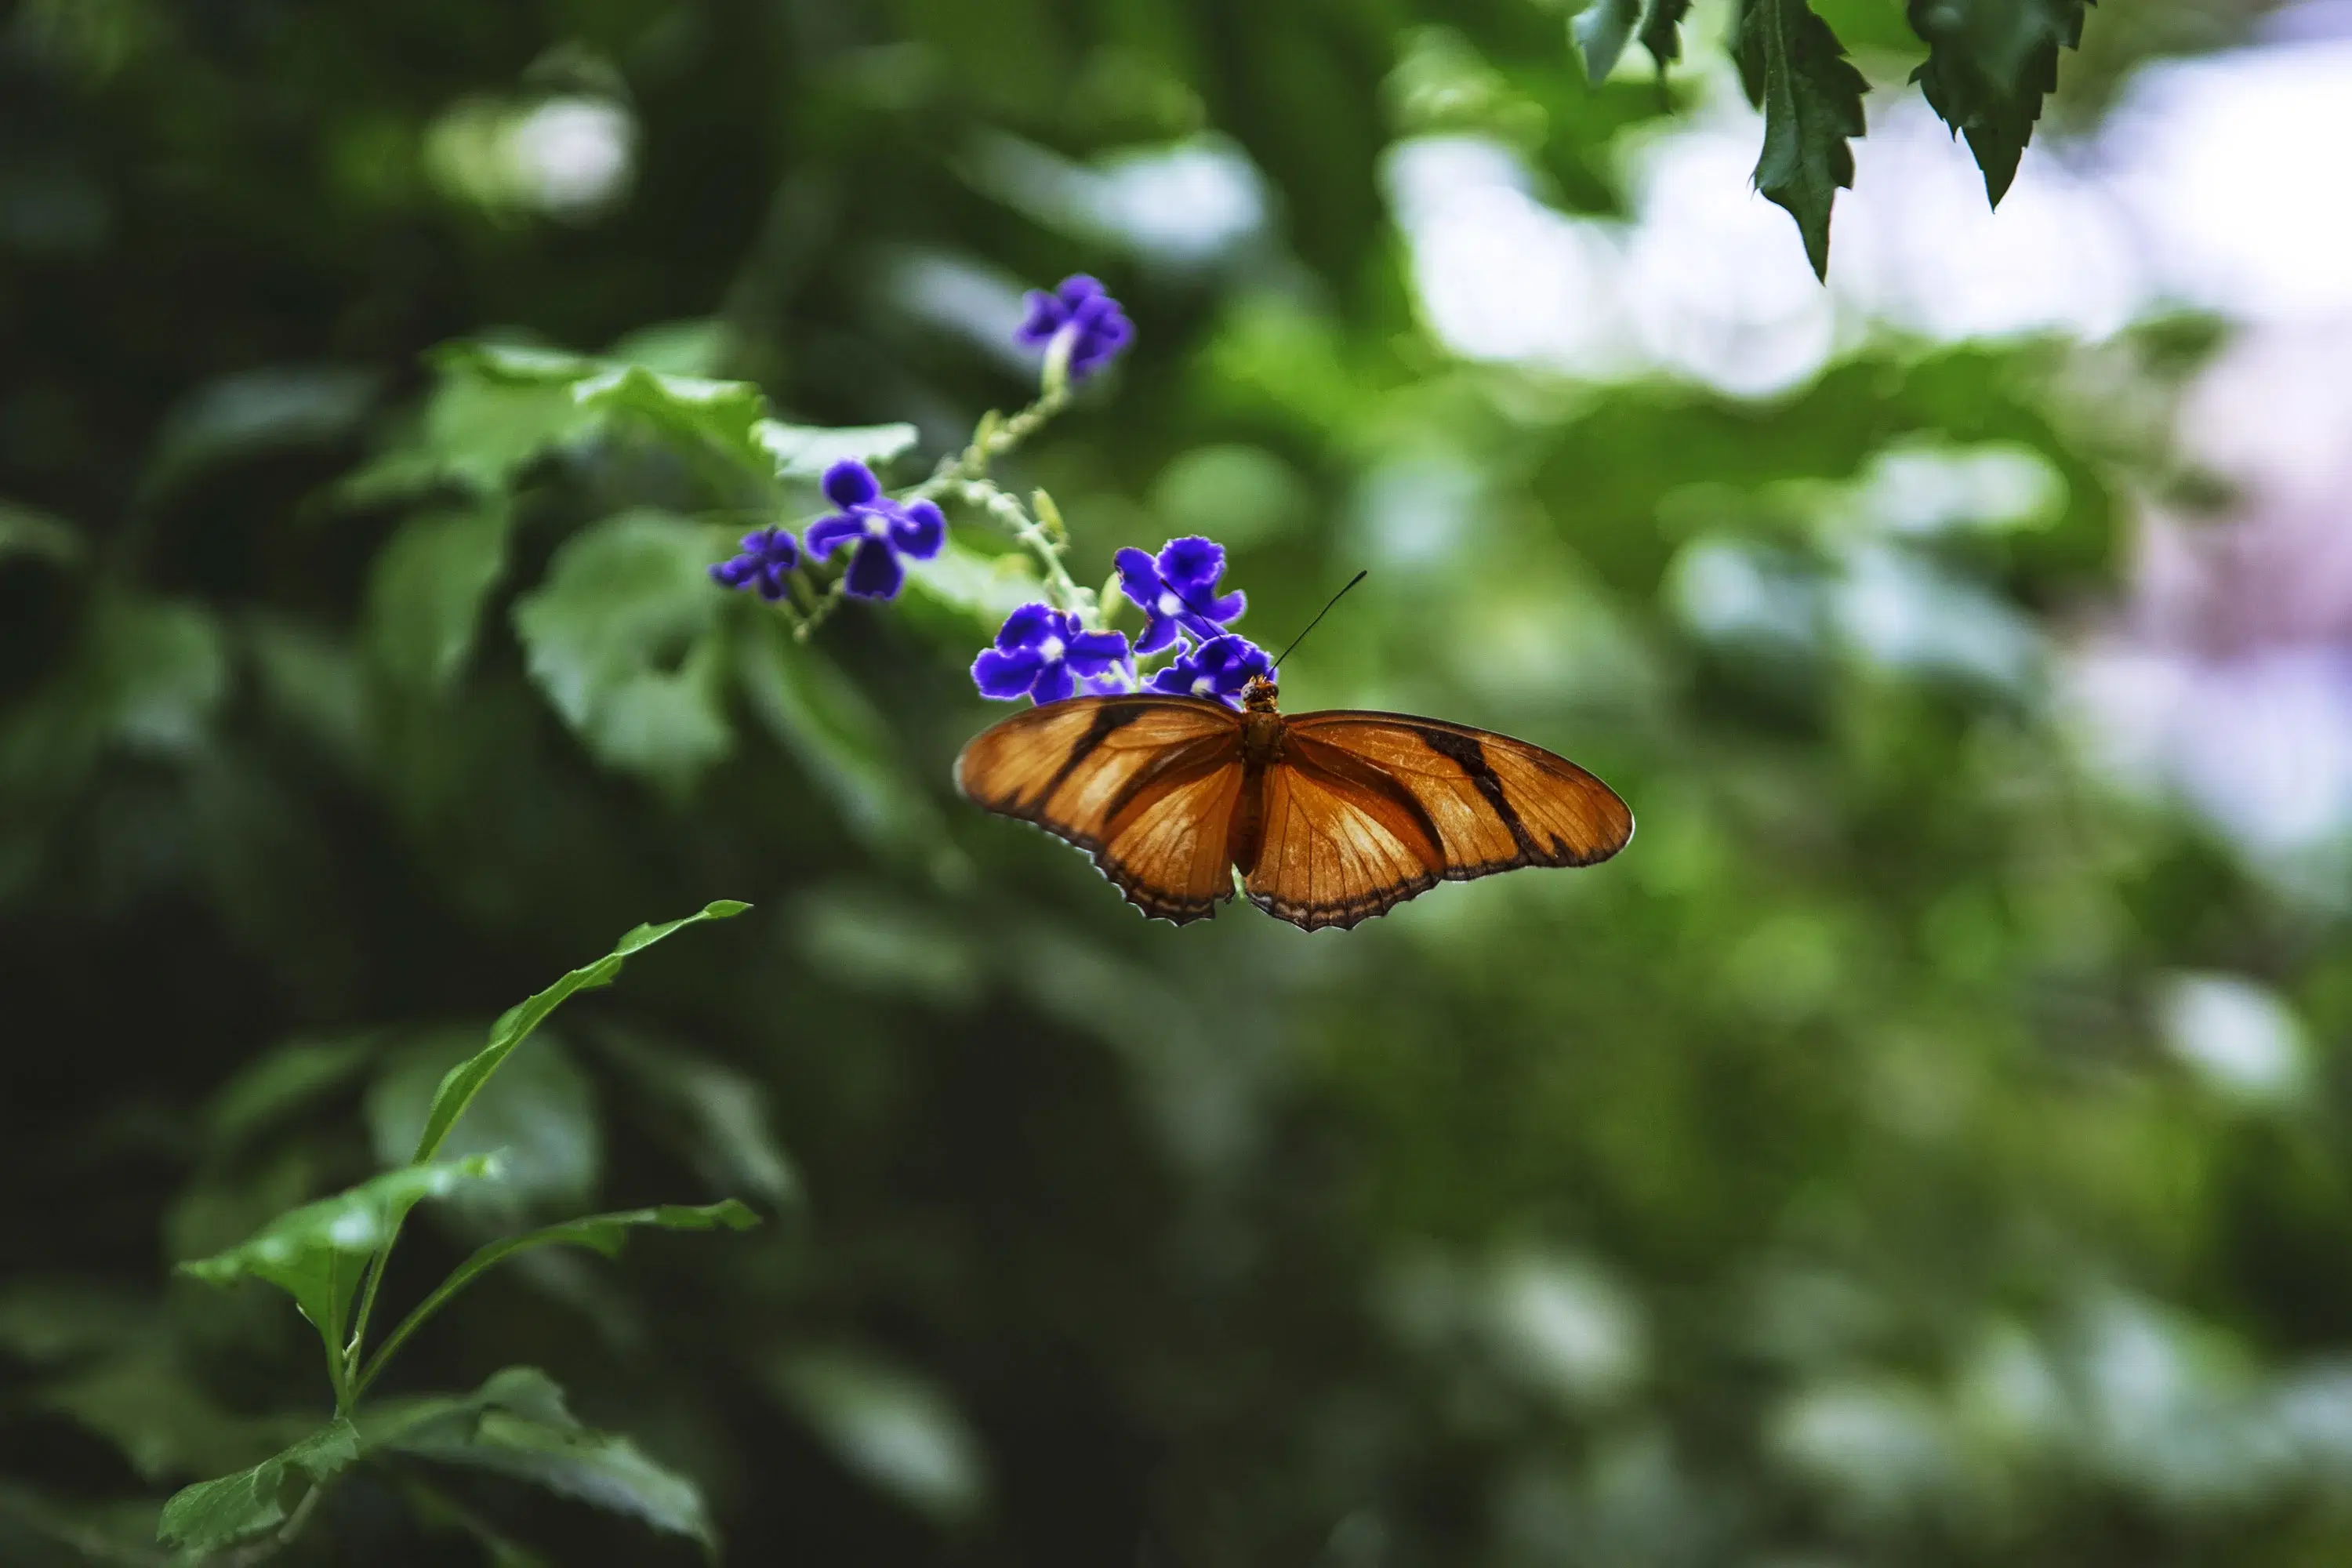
[(1258, 696)]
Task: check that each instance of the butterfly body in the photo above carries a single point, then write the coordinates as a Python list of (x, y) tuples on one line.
[(1330, 817)]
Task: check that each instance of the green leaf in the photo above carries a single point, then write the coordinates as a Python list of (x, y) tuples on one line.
[(714, 1115), (691, 408), (39, 1531), (517, 1425), (830, 728), (623, 640), (605, 1233), (250, 413), (425, 594), (1796, 71), (984, 588), (29, 530), (1662, 25), (1602, 29), (493, 412), (465, 1081), (890, 1426), (279, 1084), (145, 676), (216, 1513), (160, 1417), (314, 1253), (538, 1116), (1990, 64), (695, 346), (805, 451)]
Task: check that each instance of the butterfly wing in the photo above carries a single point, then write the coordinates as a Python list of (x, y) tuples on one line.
[(1148, 786), (1366, 810)]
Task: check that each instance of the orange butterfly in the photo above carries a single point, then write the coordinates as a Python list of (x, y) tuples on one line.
[(1330, 817)]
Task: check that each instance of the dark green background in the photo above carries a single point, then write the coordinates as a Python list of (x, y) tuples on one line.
[(1808, 1186)]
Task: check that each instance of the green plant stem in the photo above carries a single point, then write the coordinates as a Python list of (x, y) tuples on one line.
[(822, 611), (347, 1391), (1016, 521), (300, 1516)]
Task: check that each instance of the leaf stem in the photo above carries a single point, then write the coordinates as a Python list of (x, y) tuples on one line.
[(301, 1515), (349, 1389)]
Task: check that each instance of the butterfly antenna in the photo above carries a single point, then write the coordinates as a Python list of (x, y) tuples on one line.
[(1318, 616)]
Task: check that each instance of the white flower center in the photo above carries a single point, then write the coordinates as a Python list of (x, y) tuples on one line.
[(1169, 603), (1203, 687), (876, 525), (1051, 651)]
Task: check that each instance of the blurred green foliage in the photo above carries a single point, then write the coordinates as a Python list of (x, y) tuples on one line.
[(1813, 1184)]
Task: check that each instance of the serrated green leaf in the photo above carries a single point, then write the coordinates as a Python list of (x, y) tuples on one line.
[(314, 1253), (1602, 29), (523, 363), (695, 346), (1796, 71), (215, 1513), (805, 451), (605, 1233), (834, 733), (425, 594), (493, 412), (517, 1425), (1661, 24), (623, 640), (691, 408), (465, 1081), (1990, 64)]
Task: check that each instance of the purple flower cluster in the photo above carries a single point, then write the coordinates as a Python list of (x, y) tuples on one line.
[(883, 529), (1177, 592), (768, 558), (1100, 331), (1040, 652), (1044, 654), (1218, 670)]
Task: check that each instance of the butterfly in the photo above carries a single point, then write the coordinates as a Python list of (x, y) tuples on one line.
[(1330, 817)]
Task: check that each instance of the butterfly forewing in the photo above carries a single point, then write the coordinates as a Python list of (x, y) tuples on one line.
[(1148, 786), (1379, 806)]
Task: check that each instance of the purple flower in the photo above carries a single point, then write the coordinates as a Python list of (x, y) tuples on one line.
[(1041, 653), (768, 558), (1177, 591), (1217, 669), (1098, 328), (884, 529)]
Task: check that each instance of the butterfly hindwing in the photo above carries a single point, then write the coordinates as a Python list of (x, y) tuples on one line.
[(1145, 784)]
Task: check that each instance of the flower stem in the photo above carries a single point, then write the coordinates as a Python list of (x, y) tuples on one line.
[(1016, 521), (822, 611)]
